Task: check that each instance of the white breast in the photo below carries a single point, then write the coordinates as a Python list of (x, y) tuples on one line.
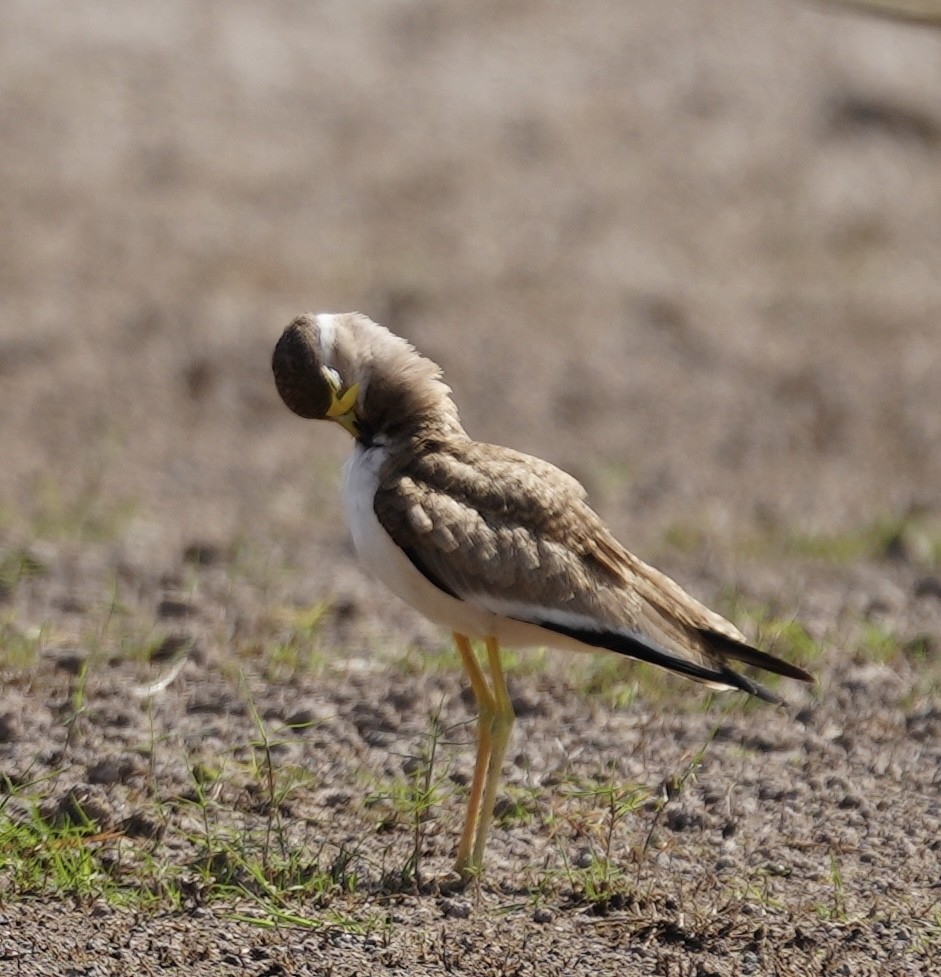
[(386, 561)]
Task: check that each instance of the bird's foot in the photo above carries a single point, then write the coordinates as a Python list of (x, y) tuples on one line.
[(459, 878)]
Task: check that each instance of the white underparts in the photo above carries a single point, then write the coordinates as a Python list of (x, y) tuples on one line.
[(388, 563), (477, 616)]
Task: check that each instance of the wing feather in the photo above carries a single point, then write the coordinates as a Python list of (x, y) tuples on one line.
[(516, 535)]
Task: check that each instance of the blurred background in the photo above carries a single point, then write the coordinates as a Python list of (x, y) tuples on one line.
[(690, 252)]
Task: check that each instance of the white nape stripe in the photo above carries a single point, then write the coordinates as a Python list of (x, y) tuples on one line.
[(326, 323)]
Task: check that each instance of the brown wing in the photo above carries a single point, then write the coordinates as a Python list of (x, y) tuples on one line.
[(517, 535), (489, 521)]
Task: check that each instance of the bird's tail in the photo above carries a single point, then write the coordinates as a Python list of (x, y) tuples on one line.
[(717, 649), (725, 647), (721, 647)]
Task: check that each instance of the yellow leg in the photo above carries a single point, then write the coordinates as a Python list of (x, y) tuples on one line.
[(501, 725), (486, 710)]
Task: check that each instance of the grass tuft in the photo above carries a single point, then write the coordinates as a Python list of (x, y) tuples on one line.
[(412, 802)]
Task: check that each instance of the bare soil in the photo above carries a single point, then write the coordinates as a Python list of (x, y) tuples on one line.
[(688, 252)]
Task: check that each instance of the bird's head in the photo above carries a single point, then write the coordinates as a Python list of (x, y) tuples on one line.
[(306, 375), (347, 368)]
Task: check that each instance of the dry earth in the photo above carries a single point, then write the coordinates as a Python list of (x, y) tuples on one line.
[(687, 251)]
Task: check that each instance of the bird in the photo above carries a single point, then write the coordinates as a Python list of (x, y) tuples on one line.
[(498, 546)]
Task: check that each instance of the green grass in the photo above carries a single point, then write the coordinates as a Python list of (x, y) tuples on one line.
[(836, 910), (411, 660), (290, 644), (18, 564), (52, 846), (599, 880), (19, 646), (519, 807), (412, 801), (914, 536), (910, 535), (58, 850), (48, 859), (77, 512), (614, 680)]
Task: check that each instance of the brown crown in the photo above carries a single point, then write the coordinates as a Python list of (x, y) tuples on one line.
[(297, 369)]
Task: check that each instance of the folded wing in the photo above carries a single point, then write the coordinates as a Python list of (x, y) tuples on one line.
[(516, 535)]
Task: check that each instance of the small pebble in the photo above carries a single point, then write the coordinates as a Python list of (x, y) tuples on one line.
[(11, 728), (584, 858), (140, 825), (455, 908), (169, 607), (113, 769)]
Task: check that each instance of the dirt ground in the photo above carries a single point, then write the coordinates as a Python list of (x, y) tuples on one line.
[(688, 252)]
